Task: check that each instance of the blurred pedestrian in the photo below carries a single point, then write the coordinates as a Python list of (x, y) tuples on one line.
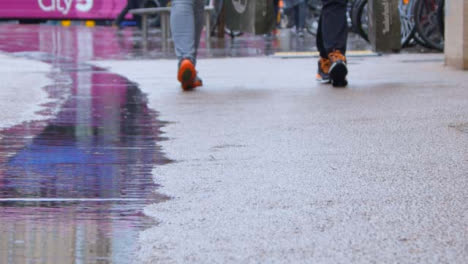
[(187, 20), (299, 10), (331, 42), (131, 4), (276, 4)]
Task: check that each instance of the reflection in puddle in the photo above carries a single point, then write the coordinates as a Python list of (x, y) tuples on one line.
[(73, 190)]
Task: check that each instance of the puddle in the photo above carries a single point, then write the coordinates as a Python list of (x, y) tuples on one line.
[(73, 188)]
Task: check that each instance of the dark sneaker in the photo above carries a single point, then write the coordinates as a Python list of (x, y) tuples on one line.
[(187, 75), (338, 69), (323, 71)]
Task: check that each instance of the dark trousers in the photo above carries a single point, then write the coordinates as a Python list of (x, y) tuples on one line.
[(276, 5), (333, 28), (300, 15), (131, 4)]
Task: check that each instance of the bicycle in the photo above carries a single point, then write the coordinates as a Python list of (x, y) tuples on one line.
[(428, 18), (405, 7), (421, 22)]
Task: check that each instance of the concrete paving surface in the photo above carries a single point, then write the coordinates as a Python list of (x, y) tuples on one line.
[(271, 167), (21, 100)]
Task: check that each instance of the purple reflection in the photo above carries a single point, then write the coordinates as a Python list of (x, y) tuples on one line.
[(101, 144)]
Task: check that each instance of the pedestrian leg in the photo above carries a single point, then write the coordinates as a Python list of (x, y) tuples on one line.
[(334, 25), (319, 40), (331, 42), (199, 12), (183, 28), (187, 19)]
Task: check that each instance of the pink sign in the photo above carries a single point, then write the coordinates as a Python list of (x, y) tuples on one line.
[(61, 9)]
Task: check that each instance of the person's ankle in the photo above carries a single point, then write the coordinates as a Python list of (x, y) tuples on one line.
[(185, 58)]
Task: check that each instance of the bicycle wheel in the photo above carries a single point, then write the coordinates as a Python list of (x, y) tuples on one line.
[(360, 19), (427, 23), (441, 16), (407, 21), (349, 12)]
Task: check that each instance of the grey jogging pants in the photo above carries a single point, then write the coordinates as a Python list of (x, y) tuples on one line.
[(186, 25)]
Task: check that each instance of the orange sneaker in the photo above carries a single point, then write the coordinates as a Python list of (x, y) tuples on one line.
[(338, 69), (187, 75), (198, 82), (323, 75)]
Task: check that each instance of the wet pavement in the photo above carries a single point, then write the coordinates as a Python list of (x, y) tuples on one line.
[(73, 187), (277, 168)]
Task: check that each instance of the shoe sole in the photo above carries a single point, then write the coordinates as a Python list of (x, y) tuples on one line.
[(187, 75), (322, 81), (197, 83), (338, 74)]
